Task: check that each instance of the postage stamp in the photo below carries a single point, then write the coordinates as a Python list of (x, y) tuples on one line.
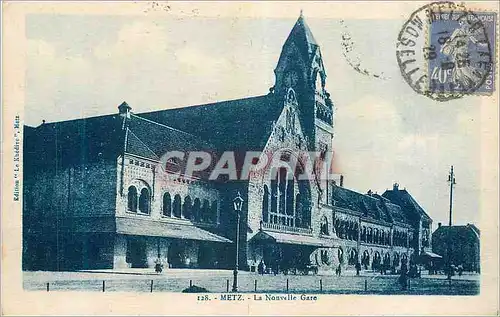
[(250, 158), (455, 53), (463, 55)]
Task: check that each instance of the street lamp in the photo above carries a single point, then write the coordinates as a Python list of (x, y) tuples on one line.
[(237, 204), (451, 180)]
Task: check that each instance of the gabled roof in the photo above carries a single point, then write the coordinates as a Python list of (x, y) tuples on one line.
[(152, 140), (370, 206), (457, 232), (242, 124), (73, 142), (228, 125), (406, 202)]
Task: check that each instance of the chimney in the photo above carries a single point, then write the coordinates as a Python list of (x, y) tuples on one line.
[(369, 192), (439, 225), (124, 110), (341, 180), (395, 187)]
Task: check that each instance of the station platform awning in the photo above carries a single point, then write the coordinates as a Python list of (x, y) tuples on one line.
[(140, 227), (287, 238)]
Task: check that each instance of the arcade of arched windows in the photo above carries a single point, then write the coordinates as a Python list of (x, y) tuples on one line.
[(196, 210), (346, 229), (139, 199), (375, 235), (400, 238), (286, 201)]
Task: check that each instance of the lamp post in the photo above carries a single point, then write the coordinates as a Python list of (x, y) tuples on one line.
[(451, 180), (237, 204)]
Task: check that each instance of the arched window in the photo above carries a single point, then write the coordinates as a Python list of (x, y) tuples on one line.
[(366, 259), (196, 213), (167, 205), (351, 231), (282, 190), (375, 240), (214, 212), (376, 260), (132, 199), (325, 259), (342, 229), (144, 201), (395, 261), (205, 210), (186, 208), (177, 206), (265, 204), (363, 234), (298, 210), (341, 255), (353, 257), (387, 260), (290, 195), (324, 226), (404, 259), (319, 82), (382, 238), (274, 195)]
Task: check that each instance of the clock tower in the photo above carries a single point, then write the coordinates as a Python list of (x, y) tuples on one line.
[(300, 67)]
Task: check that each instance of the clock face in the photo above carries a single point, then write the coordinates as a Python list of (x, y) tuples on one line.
[(291, 79)]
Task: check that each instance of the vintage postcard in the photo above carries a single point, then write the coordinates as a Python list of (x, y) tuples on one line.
[(250, 158)]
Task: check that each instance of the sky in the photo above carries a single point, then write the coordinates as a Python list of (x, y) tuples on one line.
[(83, 65)]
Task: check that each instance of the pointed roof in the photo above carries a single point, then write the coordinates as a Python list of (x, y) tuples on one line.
[(301, 33), (302, 39), (403, 198)]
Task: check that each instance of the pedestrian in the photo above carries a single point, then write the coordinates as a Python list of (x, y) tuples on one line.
[(260, 268), (358, 268), (403, 277), (460, 269), (158, 266), (339, 270)]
